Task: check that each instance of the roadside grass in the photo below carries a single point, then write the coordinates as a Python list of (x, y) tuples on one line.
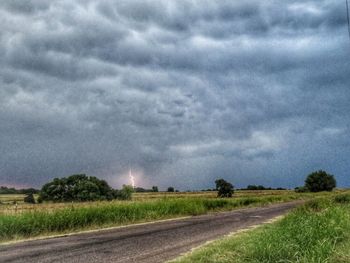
[(316, 232), (38, 222)]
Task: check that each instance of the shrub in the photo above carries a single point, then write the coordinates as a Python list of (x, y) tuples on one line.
[(125, 193), (320, 181), (301, 189), (29, 199), (343, 198)]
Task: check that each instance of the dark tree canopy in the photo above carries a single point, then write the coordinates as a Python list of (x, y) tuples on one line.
[(320, 181), (77, 187), (171, 189), (224, 188), (154, 188), (29, 199)]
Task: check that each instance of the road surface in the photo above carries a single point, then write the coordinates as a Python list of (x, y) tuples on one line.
[(147, 243)]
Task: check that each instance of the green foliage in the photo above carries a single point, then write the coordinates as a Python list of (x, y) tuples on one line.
[(125, 193), (301, 189), (7, 190), (225, 189), (320, 181), (154, 188), (256, 187), (171, 189), (77, 187), (29, 199), (342, 198)]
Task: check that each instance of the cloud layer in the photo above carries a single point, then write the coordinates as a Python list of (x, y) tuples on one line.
[(182, 92)]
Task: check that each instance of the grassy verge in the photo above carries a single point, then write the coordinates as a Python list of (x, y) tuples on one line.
[(316, 232), (70, 219)]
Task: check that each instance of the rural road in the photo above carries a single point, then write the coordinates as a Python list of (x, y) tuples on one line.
[(147, 243)]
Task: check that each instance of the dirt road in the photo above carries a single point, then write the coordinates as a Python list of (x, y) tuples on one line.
[(148, 243)]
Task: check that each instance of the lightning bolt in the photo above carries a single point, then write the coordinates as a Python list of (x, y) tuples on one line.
[(132, 179)]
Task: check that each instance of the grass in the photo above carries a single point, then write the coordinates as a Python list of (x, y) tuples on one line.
[(7, 201), (316, 232), (94, 215), (45, 219)]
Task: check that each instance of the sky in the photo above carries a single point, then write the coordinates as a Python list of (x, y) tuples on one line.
[(181, 92)]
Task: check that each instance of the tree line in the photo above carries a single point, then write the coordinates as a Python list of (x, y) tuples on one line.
[(80, 187)]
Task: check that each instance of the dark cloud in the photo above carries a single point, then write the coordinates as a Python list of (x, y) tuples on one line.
[(182, 92)]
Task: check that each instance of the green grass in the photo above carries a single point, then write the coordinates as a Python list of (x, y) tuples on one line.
[(316, 232), (69, 219)]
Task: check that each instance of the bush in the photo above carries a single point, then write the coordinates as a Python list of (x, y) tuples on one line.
[(301, 189), (29, 199), (225, 189), (125, 193), (343, 198), (320, 181)]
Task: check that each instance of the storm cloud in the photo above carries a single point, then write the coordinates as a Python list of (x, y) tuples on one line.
[(182, 92)]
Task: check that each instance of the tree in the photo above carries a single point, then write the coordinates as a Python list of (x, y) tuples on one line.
[(154, 188), (78, 187), (125, 193), (320, 181), (224, 188), (171, 189), (29, 199)]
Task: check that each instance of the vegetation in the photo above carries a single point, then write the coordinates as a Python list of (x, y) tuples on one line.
[(225, 189), (261, 187), (77, 187), (6, 190), (125, 193), (320, 181), (301, 189), (46, 218), (29, 199), (316, 232), (171, 189)]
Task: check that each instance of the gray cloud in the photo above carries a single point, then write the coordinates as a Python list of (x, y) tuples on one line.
[(182, 92)]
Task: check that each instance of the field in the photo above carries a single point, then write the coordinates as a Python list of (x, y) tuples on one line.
[(319, 231), (27, 221)]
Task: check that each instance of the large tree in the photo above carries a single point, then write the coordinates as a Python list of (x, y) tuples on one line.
[(320, 181), (77, 187), (224, 188)]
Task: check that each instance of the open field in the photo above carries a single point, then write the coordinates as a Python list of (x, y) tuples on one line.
[(316, 232), (7, 201), (48, 218)]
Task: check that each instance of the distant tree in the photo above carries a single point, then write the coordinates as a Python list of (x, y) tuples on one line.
[(301, 189), (320, 181), (29, 199), (171, 189), (224, 188), (6, 190), (140, 190), (154, 188)]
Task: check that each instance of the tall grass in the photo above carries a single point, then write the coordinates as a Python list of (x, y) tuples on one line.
[(30, 224), (312, 233)]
